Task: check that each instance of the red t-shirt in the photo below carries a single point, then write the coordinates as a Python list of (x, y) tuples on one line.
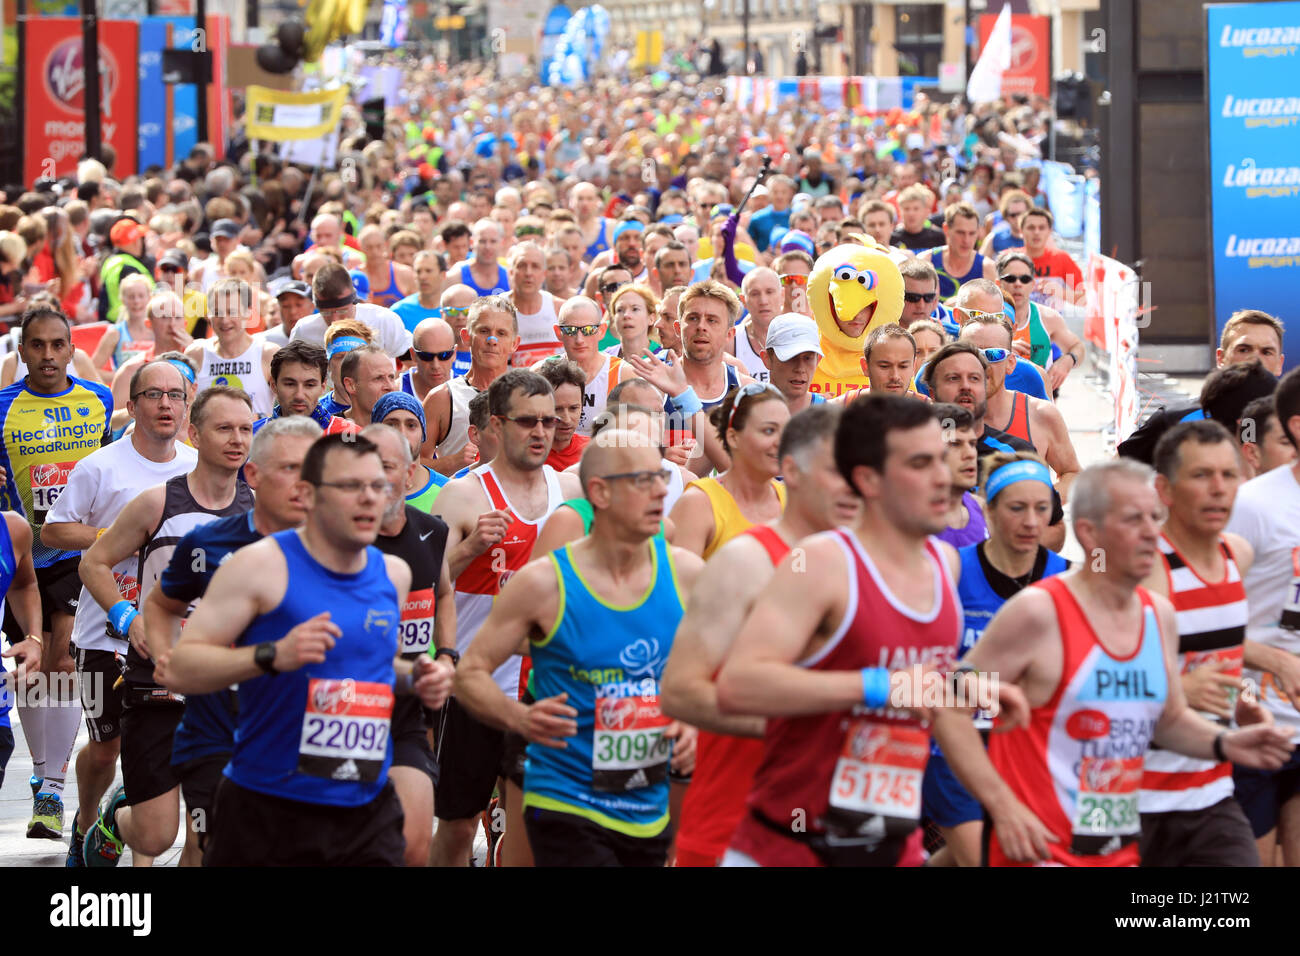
[(562, 459), (1055, 271)]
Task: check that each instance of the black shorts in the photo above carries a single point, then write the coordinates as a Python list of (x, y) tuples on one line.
[(199, 778), (6, 749), (1261, 793), (147, 734), (97, 673), (411, 737), (472, 755), (1218, 835), (60, 587), (255, 829), (566, 839)]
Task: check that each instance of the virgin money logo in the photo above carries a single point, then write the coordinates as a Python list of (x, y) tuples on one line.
[(867, 741), (333, 697), (1024, 49), (51, 475), (617, 712), (65, 78)]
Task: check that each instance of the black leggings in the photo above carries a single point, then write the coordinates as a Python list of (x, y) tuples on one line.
[(6, 750)]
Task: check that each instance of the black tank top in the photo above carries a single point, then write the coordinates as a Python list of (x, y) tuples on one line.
[(420, 544), (180, 514)]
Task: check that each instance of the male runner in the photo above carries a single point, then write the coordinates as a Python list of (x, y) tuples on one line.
[(793, 350), (49, 421), (730, 747), (1086, 650), (1250, 334), (232, 357), (889, 360), (580, 328), (672, 267), (817, 654), (494, 514), (336, 299), (101, 485), (424, 302), (433, 344), (597, 618), (761, 293), (1267, 515), (298, 379), (455, 302), (367, 373), (1059, 280), (492, 335), (1264, 445), (1189, 817), (403, 413), (957, 262), (302, 787), (167, 321), (568, 382), (144, 812), (428, 623), (205, 735), (534, 306), (20, 592)]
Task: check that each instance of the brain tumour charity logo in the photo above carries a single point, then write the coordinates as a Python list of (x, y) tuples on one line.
[(65, 79), (642, 656)]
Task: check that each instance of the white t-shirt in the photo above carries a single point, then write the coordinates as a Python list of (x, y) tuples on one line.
[(1267, 515), (394, 336), (98, 488)]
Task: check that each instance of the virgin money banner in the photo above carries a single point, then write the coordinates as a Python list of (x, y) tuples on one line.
[(55, 118), (1253, 61), (1030, 69)]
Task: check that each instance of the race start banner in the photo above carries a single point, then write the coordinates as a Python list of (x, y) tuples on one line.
[(1253, 59), (276, 116)]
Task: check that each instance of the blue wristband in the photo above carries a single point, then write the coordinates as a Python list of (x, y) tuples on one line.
[(875, 686), (120, 616), (688, 403)]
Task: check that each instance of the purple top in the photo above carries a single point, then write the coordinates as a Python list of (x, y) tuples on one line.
[(976, 529)]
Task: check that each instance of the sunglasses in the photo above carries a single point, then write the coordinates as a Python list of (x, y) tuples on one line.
[(920, 296), (749, 391), (996, 355), (611, 287), (794, 280), (529, 422), (522, 231), (572, 330), (430, 356), (450, 312), (1022, 279), (975, 315)]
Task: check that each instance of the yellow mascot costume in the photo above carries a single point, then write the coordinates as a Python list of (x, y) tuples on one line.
[(853, 289)]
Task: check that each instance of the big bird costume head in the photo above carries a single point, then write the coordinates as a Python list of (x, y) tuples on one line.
[(853, 289)]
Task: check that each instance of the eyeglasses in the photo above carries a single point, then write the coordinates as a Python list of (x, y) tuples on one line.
[(794, 280), (920, 296), (748, 391), (610, 287), (975, 315), (1023, 279), (571, 330), (156, 395), (451, 312), (168, 267), (996, 355), (355, 486), (529, 422), (641, 480), (430, 356)]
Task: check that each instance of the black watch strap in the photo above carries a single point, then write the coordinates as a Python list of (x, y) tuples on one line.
[(450, 652), (264, 657)]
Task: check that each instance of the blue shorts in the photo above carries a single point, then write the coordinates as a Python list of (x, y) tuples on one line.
[(1261, 793), (943, 798)]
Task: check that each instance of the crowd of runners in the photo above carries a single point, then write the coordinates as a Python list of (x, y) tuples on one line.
[(636, 480)]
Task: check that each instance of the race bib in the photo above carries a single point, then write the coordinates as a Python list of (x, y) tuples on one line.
[(628, 747), (1291, 605), (1107, 805), (880, 769), (345, 729), (47, 480), (415, 631)]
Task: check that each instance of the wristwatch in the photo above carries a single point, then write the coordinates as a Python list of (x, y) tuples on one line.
[(450, 652), (264, 657)]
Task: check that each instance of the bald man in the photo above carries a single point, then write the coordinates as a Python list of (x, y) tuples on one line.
[(583, 805), (454, 305), (433, 345)]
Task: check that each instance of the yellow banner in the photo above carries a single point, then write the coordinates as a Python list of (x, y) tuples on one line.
[(275, 116)]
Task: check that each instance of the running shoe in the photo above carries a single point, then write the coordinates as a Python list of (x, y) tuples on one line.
[(47, 818), (104, 843), (76, 848)]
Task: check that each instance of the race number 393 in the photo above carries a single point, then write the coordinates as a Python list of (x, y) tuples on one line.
[(345, 729), (416, 627)]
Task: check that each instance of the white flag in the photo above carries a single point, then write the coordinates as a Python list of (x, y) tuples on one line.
[(985, 84)]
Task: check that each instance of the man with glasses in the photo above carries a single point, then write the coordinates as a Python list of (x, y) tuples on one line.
[(493, 336), (144, 812), (455, 303), (580, 329), (1034, 420), (433, 344), (276, 622), (534, 306), (1038, 327), (614, 603), (424, 302), (494, 514), (97, 490), (921, 295)]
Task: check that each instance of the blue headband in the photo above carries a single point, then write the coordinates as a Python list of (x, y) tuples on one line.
[(186, 370), (390, 402), (344, 343), (1010, 473)]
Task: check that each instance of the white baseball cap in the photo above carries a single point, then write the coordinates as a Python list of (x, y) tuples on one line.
[(791, 334)]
